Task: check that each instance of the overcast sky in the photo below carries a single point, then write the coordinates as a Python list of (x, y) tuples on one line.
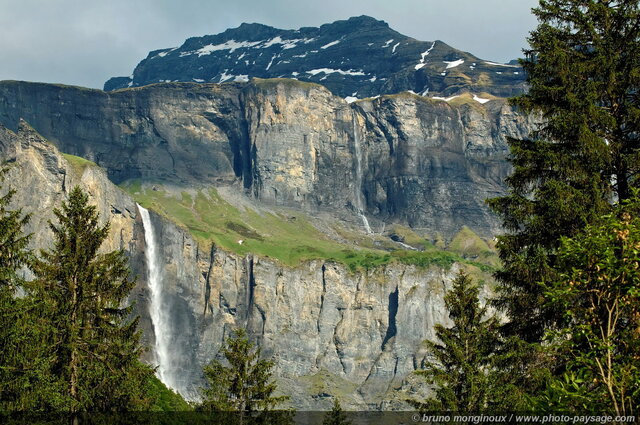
[(85, 42)]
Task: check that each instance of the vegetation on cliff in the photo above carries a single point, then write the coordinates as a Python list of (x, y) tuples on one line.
[(291, 237)]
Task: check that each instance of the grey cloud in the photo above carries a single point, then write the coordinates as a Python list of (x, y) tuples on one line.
[(84, 42)]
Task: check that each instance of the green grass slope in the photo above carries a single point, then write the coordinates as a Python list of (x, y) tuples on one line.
[(287, 236)]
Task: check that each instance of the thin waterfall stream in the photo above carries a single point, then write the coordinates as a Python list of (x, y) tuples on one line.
[(157, 311), (358, 183)]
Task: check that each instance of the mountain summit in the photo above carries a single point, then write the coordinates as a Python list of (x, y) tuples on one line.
[(354, 58)]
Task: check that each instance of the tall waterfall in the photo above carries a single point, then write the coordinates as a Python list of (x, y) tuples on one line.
[(157, 310), (358, 183)]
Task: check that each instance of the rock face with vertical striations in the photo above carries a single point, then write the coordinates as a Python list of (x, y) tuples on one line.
[(332, 332), (358, 57), (422, 162)]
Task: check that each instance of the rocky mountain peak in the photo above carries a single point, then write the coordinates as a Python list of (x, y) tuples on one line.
[(354, 58)]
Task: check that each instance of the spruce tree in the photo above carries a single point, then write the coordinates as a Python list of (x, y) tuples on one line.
[(244, 385), (336, 415), (583, 71), (17, 369), (93, 344), (462, 369)]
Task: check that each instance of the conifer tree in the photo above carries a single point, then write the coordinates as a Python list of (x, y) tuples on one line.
[(583, 71), (16, 332), (93, 344), (244, 385), (336, 415), (462, 370)]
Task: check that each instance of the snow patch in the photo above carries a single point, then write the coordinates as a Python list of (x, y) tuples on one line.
[(350, 99), (387, 43), (480, 99), (453, 64), (501, 64), (333, 43), (241, 78), (271, 62), (423, 57), (165, 53), (446, 99), (332, 71), (395, 46), (198, 80), (286, 44), (225, 77), (230, 45), (373, 79)]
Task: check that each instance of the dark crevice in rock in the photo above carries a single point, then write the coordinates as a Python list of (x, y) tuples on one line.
[(393, 311), (254, 174), (324, 291), (339, 352), (207, 279), (251, 283)]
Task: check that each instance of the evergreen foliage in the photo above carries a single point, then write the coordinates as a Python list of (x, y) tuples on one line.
[(244, 385), (90, 342), (599, 291), (583, 71), (463, 371), (336, 415), (18, 367)]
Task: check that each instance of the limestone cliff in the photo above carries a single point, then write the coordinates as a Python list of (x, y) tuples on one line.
[(402, 158), (332, 331)]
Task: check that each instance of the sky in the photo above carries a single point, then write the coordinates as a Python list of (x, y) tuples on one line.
[(85, 42)]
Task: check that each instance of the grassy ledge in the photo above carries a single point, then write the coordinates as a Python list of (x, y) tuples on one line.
[(78, 164), (286, 236)]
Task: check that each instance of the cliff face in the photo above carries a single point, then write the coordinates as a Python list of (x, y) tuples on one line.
[(332, 332), (402, 158)]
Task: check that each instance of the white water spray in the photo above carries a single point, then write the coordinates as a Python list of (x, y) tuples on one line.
[(159, 318), (358, 183)]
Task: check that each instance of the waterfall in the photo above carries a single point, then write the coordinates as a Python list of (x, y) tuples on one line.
[(159, 317), (358, 183)]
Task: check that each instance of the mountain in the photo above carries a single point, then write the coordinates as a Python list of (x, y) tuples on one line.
[(429, 164), (357, 58), (330, 228)]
